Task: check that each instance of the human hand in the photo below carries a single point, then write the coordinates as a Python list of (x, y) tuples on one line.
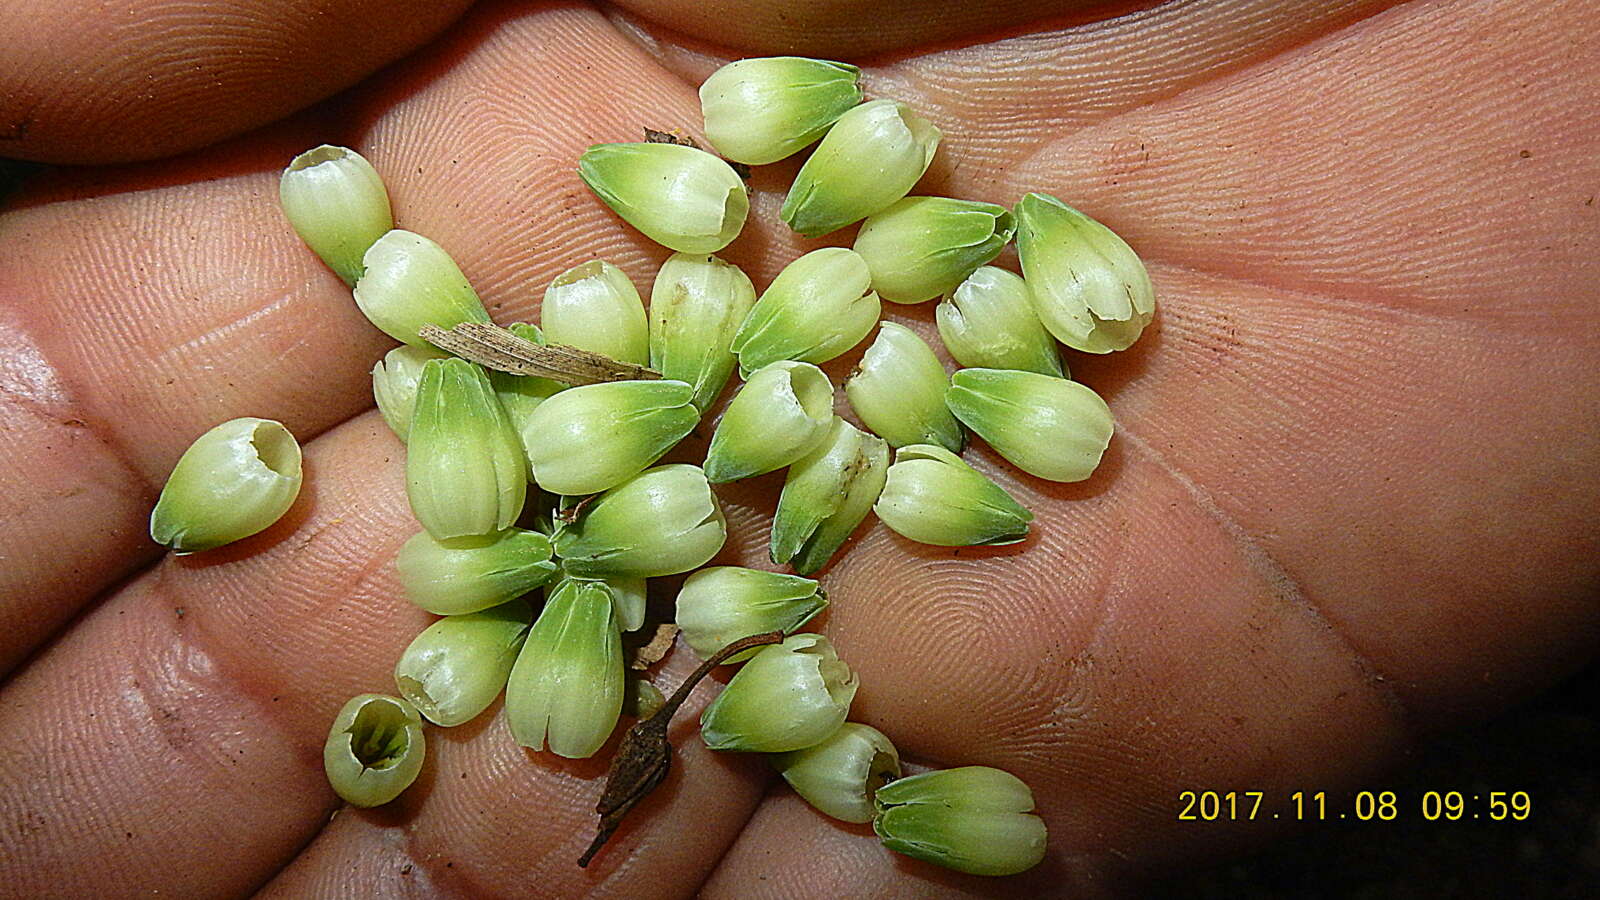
[(1351, 500)]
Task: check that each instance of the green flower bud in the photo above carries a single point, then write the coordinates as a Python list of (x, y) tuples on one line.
[(374, 749), (818, 307), (628, 597), (722, 604), (789, 696), (590, 438), (921, 247), (988, 322), (934, 497), (826, 495), (1049, 427), (410, 282), (1089, 287), (662, 521), (595, 307), (761, 110), (778, 416), (336, 202), (696, 307), (394, 384), (870, 158), (566, 687), (466, 472), (233, 481), (520, 395), (842, 775), (973, 819), (680, 197), (456, 667), (898, 391), (467, 574)]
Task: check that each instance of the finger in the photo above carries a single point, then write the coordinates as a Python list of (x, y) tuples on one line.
[(122, 83)]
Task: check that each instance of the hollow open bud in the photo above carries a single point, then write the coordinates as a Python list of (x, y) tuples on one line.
[(921, 247), (565, 690), (697, 304), (466, 472), (722, 604), (826, 495), (932, 496), (761, 110), (1049, 427), (870, 158), (1088, 286), (456, 667), (233, 481), (898, 391), (778, 416), (410, 282), (594, 306), (680, 197), (662, 521), (520, 395), (467, 574), (374, 749), (787, 697), (336, 202), (973, 819), (842, 775), (989, 322), (590, 438), (818, 307), (394, 384)]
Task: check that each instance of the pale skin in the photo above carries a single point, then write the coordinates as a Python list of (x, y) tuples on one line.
[(1352, 499)]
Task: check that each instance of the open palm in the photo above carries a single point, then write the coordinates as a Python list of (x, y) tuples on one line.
[(1352, 497)]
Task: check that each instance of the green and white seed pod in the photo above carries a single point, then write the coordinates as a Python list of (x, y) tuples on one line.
[(780, 414), (565, 690), (336, 202), (788, 696), (594, 306), (466, 472), (722, 604), (455, 668), (466, 574), (520, 395), (1088, 286), (870, 158), (898, 391), (921, 247), (761, 110), (842, 775), (394, 384), (233, 481), (374, 749), (662, 521), (818, 307), (410, 282), (590, 438), (988, 322), (628, 596), (680, 197), (826, 495), (697, 304), (973, 819), (934, 497), (1049, 427)]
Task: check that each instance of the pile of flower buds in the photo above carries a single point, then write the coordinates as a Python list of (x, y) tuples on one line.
[(602, 517)]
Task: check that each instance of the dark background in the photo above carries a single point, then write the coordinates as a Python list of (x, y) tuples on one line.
[(1549, 748)]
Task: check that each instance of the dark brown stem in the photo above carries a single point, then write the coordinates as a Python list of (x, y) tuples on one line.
[(645, 755), (501, 349)]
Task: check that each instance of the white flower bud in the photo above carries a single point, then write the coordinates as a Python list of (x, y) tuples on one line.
[(662, 521), (410, 282), (374, 749), (233, 481), (898, 391), (934, 497), (466, 472), (778, 416), (394, 384), (336, 202), (697, 304), (594, 306), (988, 322), (974, 819), (841, 776), (1049, 427), (455, 668), (590, 438), (921, 247), (870, 158), (818, 307), (680, 197), (467, 574), (1090, 289), (722, 604), (789, 696), (565, 690), (761, 110), (826, 495)]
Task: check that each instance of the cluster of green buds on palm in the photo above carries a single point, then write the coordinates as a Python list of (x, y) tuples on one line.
[(543, 505)]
